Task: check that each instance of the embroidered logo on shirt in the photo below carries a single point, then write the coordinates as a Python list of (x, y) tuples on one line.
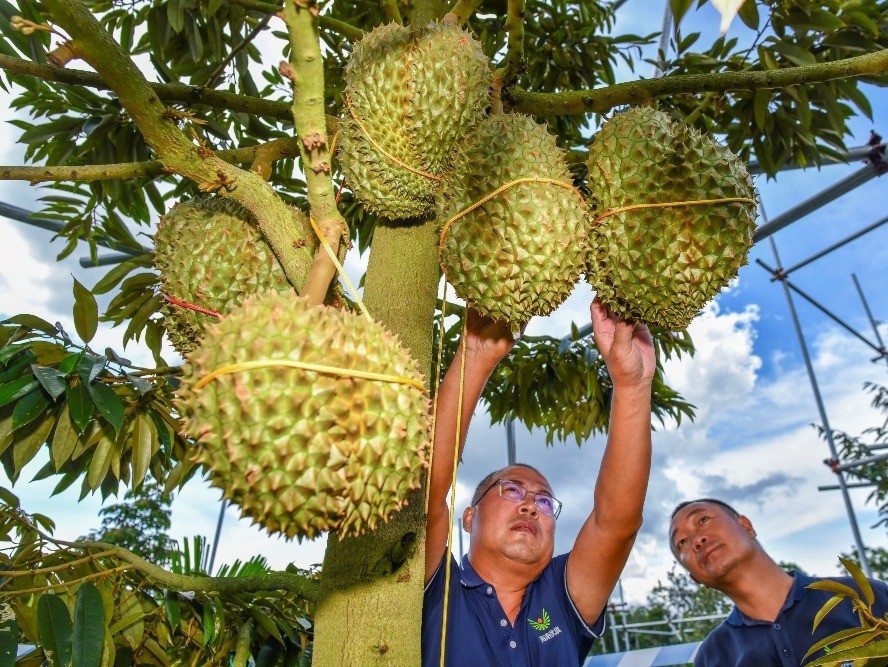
[(541, 623)]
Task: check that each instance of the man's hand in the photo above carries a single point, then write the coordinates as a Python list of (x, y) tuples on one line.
[(627, 347), (486, 340)]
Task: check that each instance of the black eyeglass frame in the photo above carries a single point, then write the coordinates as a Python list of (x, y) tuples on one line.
[(556, 504)]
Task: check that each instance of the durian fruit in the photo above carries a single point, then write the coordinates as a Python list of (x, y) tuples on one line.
[(520, 253), (302, 451), (417, 91), (210, 253), (661, 265)]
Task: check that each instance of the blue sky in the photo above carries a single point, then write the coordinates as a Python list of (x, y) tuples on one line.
[(752, 442)]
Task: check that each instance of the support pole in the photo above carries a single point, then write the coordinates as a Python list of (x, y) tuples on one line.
[(869, 314), (815, 388), (510, 441), (216, 538)]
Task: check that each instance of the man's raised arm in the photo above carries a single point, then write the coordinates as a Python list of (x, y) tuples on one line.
[(606, 538), (486, 342)]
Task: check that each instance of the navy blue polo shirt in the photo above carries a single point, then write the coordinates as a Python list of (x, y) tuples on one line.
[(548, 629), (748, 642)]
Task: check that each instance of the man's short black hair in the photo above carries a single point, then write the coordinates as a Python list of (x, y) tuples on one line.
[(485, 483), (715, 501)]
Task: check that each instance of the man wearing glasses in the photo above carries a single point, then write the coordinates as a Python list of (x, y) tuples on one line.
[(510, 602)]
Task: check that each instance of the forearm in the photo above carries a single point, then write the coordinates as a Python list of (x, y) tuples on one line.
[(625, 468), (474, 376)]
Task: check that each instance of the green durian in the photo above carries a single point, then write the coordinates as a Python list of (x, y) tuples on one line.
[(301, 451), (661, 265)]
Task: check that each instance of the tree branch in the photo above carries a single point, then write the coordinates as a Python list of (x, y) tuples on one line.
[(168, 92), (601, 100), (287, 581), (306, 68), (277, 221), (350, 32), (515, 61), (462, 10), (391, 9), (276, 149), (220, 68)]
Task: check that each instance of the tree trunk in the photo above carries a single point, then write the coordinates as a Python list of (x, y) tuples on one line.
[(370, 607)]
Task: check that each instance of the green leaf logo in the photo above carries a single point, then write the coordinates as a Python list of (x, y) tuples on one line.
[(541, 623)]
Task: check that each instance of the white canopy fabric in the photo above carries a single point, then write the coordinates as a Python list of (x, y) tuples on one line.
[(662, 656)]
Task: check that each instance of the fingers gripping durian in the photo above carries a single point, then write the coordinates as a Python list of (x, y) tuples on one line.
[(300, 451), (660, 265)]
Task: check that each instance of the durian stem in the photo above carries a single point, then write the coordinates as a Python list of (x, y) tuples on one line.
[(307, 71), (271, 151), (391, 10), (278, 223), (601, 100), (516, 64), (462, 10)]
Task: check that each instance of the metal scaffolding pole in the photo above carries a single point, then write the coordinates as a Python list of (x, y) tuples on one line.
[(836, 246), (815, 388), (811, 204), (851, 155), (869, 314), (217, 536)]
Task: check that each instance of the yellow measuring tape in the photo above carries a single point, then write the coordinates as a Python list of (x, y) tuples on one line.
[(674, 204), (339, 269), (385, 152)]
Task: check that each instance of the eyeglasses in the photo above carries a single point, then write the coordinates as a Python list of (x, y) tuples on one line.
[(516, 493)]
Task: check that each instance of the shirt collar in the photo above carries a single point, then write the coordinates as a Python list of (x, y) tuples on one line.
[(798, 590), (467, 574)]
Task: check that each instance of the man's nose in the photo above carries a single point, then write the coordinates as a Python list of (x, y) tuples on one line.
[(699, 542), (528, 504)]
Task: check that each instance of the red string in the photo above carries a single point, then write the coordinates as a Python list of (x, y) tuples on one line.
[(191, 306), (339, 194)]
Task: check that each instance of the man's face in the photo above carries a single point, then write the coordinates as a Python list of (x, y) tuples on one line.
[(517, 531), (709, 542)]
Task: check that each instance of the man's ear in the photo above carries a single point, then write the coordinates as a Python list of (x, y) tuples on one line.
[(747, 526), (468, 516)]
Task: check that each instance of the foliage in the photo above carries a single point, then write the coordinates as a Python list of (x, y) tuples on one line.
[(853, 449), (124, 615), (863, 645), (139, 524), (877, 557)]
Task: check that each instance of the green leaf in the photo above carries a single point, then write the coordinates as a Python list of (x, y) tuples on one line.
[(89, 627), (114, 276), (171, 606), (90, 366), (749, 14), (28, 409), (860, 579), (101, 462), (835, 587), (825, 609), (760, 106), (64, 439), (878, 649), (12, 391), (143, 438), (80, 404), (29, 440), (51, 379), (679, 9), (841, 634), (33, 322), (9, 631), (70, 362), (264, 622), (86, 312), (108, 403), (56, 634)]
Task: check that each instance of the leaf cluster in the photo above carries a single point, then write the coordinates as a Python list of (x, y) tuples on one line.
[(79, 606), (863, 645), (102, 418)]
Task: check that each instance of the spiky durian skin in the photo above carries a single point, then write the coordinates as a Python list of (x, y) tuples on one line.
[(519, 254), (300, 451), (210, 253), (661, 265), (417, 91)]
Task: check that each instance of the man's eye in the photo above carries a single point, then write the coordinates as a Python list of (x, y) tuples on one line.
[(545, 501), (680, 543), (511, 488), (704, 519)]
